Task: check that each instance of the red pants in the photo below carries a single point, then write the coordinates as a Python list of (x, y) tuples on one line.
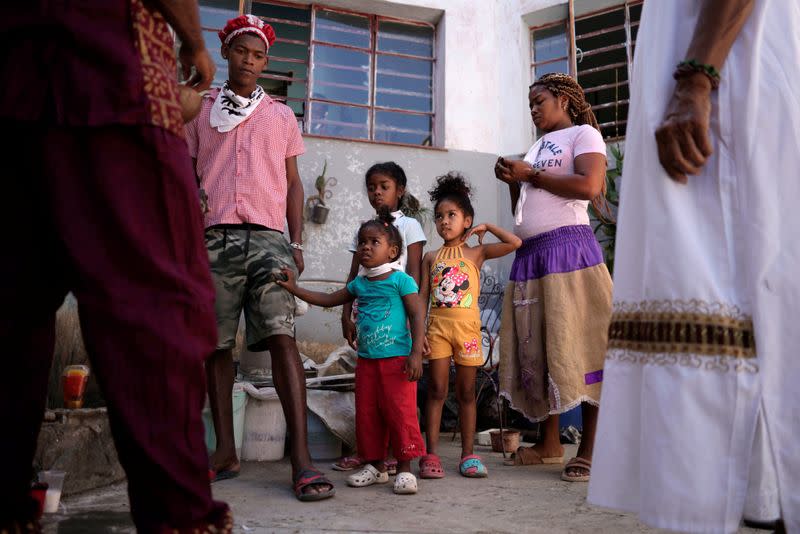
[(386, 406), (111, 214)]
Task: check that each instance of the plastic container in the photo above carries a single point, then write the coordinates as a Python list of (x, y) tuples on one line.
[(39, 494), (509, 441), (55, 482), (239, 406), (264, 426), (74, 380), (322, 444)]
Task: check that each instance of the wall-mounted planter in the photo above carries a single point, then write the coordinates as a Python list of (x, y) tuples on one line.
[(319, 214), (316, 210)]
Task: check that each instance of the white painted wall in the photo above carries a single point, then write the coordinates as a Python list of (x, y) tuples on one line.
[(486, 71), (483, 56)]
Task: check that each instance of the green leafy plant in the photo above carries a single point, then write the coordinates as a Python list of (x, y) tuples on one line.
[(605, 224), (316, 209), (412, 207), (321, 184)]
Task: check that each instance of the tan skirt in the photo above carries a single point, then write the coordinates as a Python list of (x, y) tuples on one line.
[(553, 347)]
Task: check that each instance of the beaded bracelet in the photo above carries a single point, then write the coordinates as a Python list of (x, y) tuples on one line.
[(690, 66)]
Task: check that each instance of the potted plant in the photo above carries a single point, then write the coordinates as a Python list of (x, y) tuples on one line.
[(316, 208)]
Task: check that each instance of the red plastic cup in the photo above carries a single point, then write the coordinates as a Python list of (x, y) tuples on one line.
[(75, 378), (38, 492)]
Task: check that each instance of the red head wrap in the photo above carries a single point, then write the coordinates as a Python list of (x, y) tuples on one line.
[(247, 24)]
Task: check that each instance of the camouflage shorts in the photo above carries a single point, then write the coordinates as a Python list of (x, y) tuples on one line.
[(248, 283)]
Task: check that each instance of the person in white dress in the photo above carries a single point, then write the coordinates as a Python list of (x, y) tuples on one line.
[(698, 426)]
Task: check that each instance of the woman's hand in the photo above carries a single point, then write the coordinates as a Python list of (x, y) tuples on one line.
[(479, 230), (683, 142), (502, 172), (520, 170)]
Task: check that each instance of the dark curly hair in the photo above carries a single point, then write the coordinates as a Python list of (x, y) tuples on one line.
[(453, 187), (390, 169), (385, 223)]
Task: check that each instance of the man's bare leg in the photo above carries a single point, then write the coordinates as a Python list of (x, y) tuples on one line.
[(290, 382), (219, 375)]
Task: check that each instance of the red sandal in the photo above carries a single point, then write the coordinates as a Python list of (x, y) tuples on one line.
[(430, 466), (348, 463)]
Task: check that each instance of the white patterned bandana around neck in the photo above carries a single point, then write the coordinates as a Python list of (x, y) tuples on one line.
[(230, 109)]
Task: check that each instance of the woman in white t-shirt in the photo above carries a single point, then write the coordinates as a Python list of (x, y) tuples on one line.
[(558, 303)]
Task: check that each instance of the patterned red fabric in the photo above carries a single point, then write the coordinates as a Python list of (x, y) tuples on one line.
[(243, 171), (124, 72), (156, 51), (111, 214)]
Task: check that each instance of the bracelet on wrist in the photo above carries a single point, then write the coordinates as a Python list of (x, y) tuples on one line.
[(688, 67), (297, 246)]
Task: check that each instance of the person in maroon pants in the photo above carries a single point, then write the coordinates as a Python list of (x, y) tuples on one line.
[(99, 198)]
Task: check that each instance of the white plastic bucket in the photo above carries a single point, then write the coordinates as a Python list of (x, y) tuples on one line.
[(239, 407), (264, 426), (322, 444)]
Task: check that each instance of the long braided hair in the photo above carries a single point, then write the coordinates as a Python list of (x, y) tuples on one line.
[(580, 112)]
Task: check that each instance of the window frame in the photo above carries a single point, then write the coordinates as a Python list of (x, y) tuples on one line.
[(372, 107), (279, 39), (572, 53), (373, 52)]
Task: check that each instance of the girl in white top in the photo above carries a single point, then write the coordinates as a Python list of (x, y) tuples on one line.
[(386, 186)]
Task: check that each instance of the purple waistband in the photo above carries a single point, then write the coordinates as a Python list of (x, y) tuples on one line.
[(563, 250)]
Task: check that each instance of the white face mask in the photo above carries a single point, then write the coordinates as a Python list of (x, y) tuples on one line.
[(381, 269)]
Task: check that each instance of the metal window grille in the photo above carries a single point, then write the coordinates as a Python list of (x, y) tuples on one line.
[(345, 74), (603, 52)]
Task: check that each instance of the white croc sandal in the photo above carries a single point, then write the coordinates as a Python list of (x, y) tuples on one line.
[(405, 484), (367, 477)]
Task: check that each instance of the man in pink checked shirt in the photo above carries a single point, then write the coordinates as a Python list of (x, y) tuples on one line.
[(245, 147)]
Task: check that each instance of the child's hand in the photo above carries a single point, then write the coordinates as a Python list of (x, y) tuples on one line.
[(479, 231), (289, 281), (426, 346), (349, 332), (413, 366)]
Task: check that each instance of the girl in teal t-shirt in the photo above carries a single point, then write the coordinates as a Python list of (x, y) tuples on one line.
[(390, 358)]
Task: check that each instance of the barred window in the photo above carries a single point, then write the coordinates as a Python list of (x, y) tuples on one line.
[(213, 16), (344, 74), (604, 47)]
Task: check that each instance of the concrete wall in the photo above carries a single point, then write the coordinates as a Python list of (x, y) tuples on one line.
[(483, 56), (326, 257)]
